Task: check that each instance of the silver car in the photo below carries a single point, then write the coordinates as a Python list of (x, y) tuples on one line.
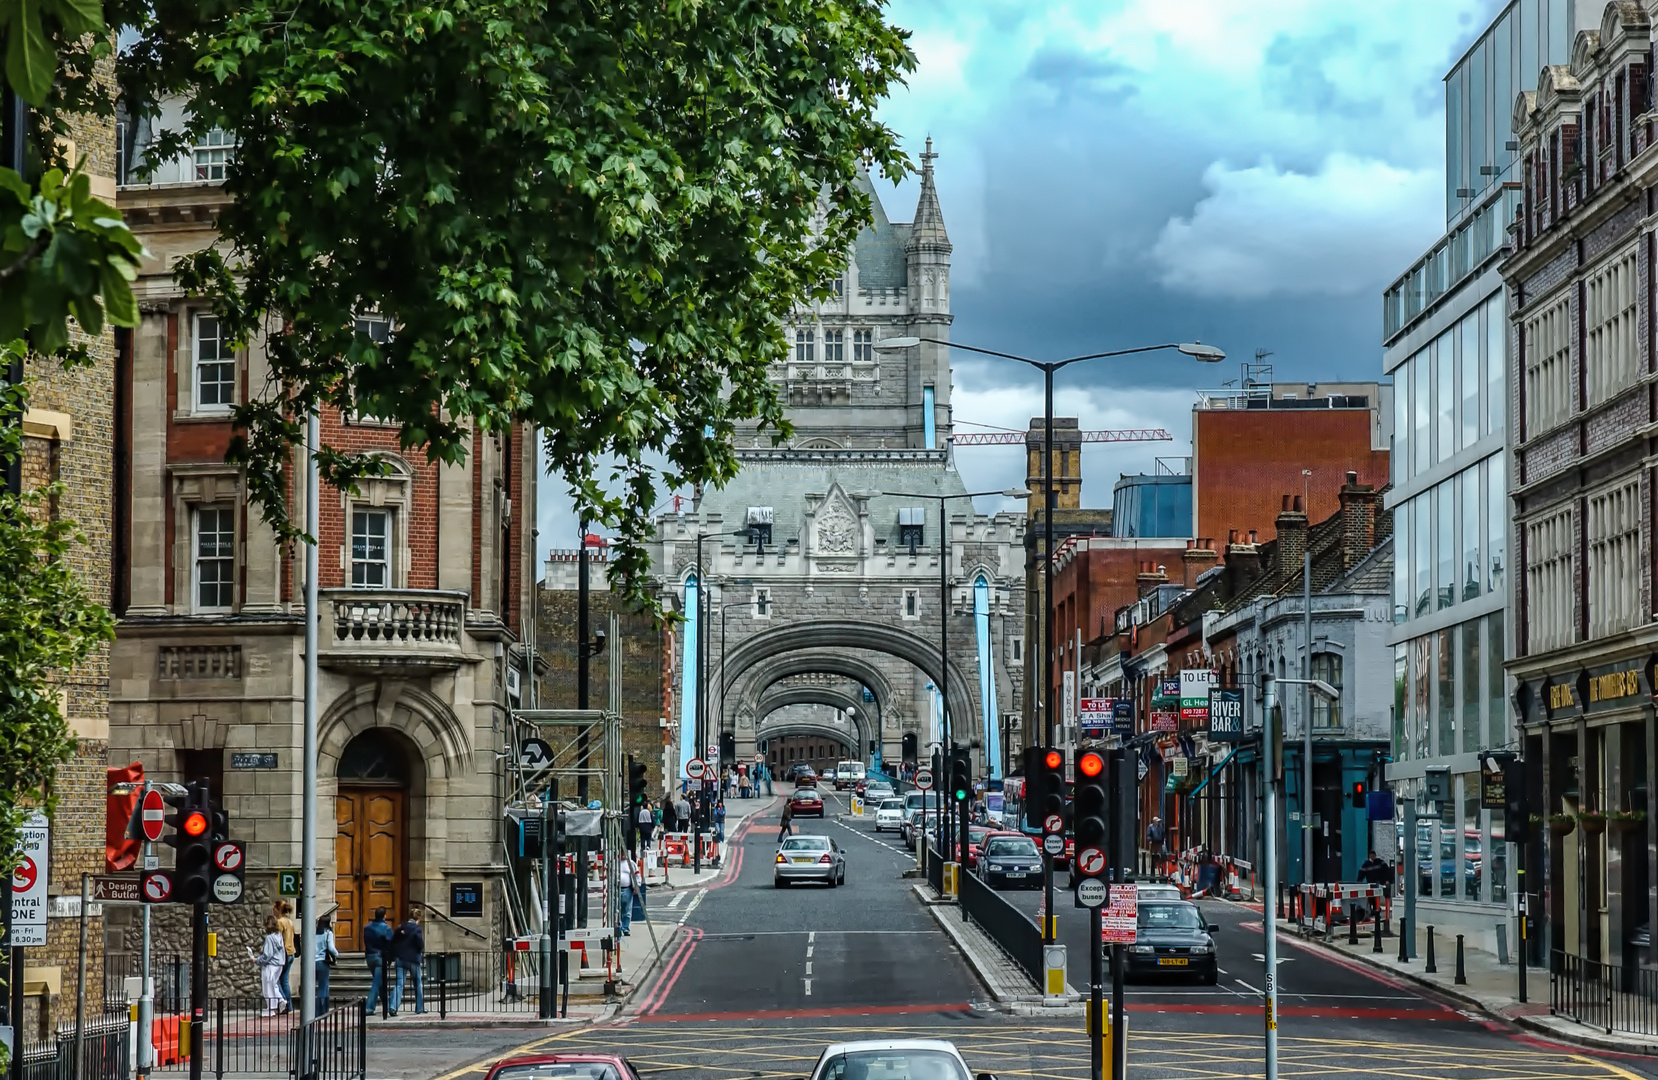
[(898, 1059), (915, 824), (809, 858)]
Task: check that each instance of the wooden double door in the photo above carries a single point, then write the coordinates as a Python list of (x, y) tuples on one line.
[(370, 857)]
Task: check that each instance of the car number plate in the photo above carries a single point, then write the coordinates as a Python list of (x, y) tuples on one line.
[(1014, 874), (1171, 961), (808, 859)]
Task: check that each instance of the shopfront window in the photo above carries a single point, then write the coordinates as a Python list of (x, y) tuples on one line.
[(1472, 863), (1445, 852), (1422, 672), (1498, 847)]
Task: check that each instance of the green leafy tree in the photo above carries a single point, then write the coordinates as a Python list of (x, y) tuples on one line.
[(66, 262), (589, 217)]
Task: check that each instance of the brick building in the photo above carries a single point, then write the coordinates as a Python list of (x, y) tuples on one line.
[(1582, 380), (68, 437), (425, 586)]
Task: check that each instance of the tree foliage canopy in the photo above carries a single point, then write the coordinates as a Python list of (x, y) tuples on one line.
[(587, 215)]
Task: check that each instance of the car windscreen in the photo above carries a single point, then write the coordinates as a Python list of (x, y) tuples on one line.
[(1010, 845), (886, 804), (895, 1064), (560, 1070), (806, 843), (915, 798), (994, 802), (976, 836), (1170, 917)]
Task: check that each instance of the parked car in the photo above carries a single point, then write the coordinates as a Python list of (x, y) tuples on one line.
[(1171, 938), (917, 823), (806, 802), (564, 1066), (889, 815), (809, 858), (975, 840), (1010, 861), (898, 1059)]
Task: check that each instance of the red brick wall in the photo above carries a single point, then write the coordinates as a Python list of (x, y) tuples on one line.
[(1244, 462), (419, 531)]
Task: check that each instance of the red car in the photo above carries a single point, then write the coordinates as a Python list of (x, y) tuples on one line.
[(564, 1067), (806, 802)]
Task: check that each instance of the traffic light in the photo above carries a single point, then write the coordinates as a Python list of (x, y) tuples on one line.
[(1088, 807), (1053, 787), (192, 839), (1516, 805), (1358, 794), (1032, 804), (636, 782), (961, 776)]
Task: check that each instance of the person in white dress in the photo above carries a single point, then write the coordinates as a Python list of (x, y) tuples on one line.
[(270, 960)]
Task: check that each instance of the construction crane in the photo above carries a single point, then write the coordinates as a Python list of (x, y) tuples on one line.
[(1017, 438)]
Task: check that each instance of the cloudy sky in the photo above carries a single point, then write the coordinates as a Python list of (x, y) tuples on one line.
[(1251, 173)]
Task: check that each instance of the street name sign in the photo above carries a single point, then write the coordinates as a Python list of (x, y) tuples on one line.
[(115, 889)]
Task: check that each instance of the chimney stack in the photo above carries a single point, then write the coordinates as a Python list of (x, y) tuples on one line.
[(1292, 534), (1243, 562), (1151, 575), (1358, 520), (1198, 557)]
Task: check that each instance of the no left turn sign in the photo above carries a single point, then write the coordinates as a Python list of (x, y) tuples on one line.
[(227, 856), (1054, 823), (1091, 861)]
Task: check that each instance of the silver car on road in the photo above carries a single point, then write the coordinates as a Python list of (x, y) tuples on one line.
[(809, 858), (899, 1059)]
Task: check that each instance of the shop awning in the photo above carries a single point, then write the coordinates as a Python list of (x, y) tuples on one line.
[(1215, 772)]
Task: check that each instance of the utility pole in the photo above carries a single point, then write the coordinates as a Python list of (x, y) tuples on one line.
[(1269, 922), (308, 796), (1307, 675), (1121, 787), (582, 655), (146, 991)]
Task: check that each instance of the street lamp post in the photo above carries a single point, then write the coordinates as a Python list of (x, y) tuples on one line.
[(699, 812), (944, 647), (1206, 353)]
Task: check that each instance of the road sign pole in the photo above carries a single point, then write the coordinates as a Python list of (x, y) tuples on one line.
[(1118, 873), (1096, 995), (198, 989)]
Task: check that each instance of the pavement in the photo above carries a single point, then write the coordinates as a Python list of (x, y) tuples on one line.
[(1491, 987)]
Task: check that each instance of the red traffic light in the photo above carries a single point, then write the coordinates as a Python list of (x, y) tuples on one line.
[(194, 823), (1090, 765), (1358, 788), (1053, 759)]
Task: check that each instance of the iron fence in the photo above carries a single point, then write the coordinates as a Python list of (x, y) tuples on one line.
[(169, 974), (481, 981), (1608, 996), (1007, 926), (103, 1052), (241, 1037), (935, 866)]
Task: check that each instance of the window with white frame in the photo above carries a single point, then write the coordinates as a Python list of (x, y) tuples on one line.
[(838, 284), (1550, 622), (1548, 367), (214, 563), (1327, 668), (834, 346), (805, 347), (214, 365), (762, 603), (377, 328), (912, 603), (1609, 346), (371, 549), (863, 346), (1615, 559), (213, 154)]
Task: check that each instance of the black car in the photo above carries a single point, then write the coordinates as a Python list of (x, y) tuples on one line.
[(1010, 862), (1172, 939)]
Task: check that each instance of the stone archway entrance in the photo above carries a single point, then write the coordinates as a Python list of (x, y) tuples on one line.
[(371, 846)]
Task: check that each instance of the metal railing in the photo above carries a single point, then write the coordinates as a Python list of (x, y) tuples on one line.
[(242, 1038), (1608, 996), (935, 865), (103, 1052), (1010, 928), (481, 982)]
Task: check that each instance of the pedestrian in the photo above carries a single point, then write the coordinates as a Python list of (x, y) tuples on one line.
[(766, 769), (377, 937), (1373, 871), (285, 925), (625, 881), (327, 954), (408, 948), (787, 823), (646, 823), (682, 813), (742, 781), (1154, 835), (639, 888), (670, 820), (271, 959)]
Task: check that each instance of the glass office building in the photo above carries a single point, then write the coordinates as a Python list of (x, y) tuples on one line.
[(1152, 505), (1445, 334)]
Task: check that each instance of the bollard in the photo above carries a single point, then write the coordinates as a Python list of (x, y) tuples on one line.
[(1376, 937), (1462, 974), (1352, 927), (1404, 950), (1430, 969)]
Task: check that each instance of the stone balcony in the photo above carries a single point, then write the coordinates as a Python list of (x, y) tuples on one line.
[(391, 631)]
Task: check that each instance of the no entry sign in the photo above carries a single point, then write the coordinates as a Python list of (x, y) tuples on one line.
[(151, 816)]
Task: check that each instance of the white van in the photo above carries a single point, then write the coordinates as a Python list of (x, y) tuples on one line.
[(848, 773)]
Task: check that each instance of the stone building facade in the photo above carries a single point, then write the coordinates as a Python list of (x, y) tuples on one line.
[(425, 589), (1582, 377), (821, 558)]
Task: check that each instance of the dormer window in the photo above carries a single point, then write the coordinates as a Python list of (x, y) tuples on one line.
[(912, 521), (759, 524)]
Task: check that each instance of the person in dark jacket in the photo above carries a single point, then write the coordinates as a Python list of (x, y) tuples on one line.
[(408, 945), (1373, 871), (377, 937)]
